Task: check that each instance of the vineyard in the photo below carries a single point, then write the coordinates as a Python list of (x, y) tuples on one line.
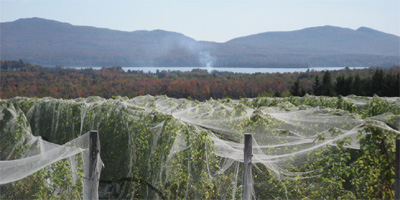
[(155, 147)]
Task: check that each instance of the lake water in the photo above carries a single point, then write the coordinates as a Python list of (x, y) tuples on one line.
[(227, 69)]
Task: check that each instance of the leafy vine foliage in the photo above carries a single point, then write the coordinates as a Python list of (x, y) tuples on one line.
[(157, 147), (56, 181)]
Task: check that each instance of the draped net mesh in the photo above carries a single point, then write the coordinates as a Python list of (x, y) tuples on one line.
[(166, 148), (31, 167)]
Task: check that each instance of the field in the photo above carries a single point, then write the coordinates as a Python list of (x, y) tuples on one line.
[(157, 147)]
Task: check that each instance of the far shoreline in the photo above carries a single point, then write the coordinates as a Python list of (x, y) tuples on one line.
[(247, 70)]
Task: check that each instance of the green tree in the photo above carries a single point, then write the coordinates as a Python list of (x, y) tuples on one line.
[(348, 85), (340, 85), (327, 87), (356, 88), (391, 85), (377, 82), (343, 85), (317, 87), (297, 88)]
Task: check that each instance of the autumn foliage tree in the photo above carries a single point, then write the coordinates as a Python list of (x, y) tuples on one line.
[(19, 78)]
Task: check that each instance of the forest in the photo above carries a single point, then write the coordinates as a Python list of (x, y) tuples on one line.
[(25, 79)]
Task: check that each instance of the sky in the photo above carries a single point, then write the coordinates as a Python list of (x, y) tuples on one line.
[(211, 20)]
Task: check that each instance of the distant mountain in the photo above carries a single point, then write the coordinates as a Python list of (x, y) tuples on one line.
[(327, 39), (49, 42)]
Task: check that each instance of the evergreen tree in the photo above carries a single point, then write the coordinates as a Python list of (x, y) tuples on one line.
[(356, 89), (316, 88), (327, 88), (388, 84), (367, 87), (348, 84), (391, 85), (297, 89), (377, 82), (340, 85), (344, 85)]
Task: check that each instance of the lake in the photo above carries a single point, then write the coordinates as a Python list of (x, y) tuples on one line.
[(227, 69)]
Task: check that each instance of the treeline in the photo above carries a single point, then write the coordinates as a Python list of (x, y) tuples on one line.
[(20, 66), (19, 78), (380, 83)]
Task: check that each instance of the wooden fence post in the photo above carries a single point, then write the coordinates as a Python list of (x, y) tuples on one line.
[(397, 171), (94, 150), (248, 153)]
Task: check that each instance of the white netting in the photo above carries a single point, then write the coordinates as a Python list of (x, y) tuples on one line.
[(160, 147), (26, 159)]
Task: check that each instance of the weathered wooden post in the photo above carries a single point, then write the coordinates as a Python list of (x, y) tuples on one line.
[(248, 153), (94, 150), (397, 171)]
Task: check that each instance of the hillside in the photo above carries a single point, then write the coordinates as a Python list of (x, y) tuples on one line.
[(327, 40), (51, 43)]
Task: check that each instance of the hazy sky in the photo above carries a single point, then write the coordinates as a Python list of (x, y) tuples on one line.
[(211, 20)]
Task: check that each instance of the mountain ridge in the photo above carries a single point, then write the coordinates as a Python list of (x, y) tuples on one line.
[(50, 42), (331, 38)]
